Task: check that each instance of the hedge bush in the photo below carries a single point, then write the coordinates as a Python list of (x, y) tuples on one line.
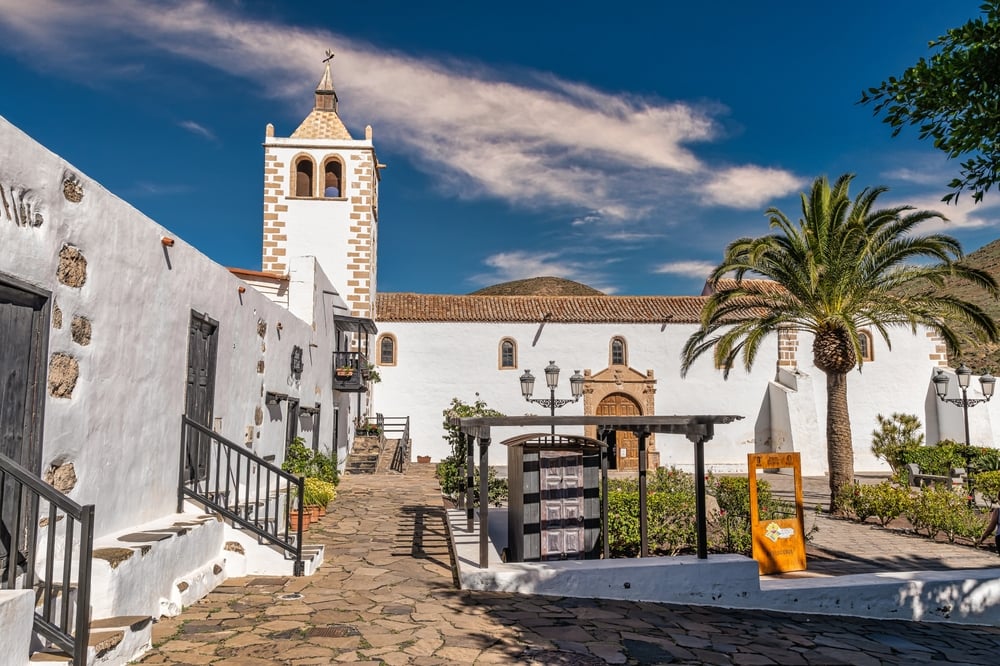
[(988, 485), (885, 501), (938, 510)]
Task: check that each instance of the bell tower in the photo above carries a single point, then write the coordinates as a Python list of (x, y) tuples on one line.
[(321, 200)]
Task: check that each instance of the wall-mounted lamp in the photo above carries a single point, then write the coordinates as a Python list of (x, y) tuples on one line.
[(167, 241)]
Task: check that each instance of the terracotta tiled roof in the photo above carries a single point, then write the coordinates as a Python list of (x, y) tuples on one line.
[(567, 309), (322, 124)]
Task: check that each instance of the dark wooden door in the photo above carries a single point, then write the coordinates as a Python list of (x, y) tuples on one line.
[(292, 426), (200, 392), (24, 317), (627, 450)]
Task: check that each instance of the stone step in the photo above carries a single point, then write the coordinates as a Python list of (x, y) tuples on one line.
[(106, 636)]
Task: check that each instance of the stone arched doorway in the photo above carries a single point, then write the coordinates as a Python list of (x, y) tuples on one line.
[(622, 392), (626, 454)]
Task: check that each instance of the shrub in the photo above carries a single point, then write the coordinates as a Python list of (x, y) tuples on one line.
[(988, 484), (894, 437), (303, 461), (450, 476), (733, 495), (938, 459), (885, 501), (670, 521), (936, 510), (984, 459)]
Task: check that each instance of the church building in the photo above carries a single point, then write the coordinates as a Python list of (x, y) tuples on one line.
[(431, 348)]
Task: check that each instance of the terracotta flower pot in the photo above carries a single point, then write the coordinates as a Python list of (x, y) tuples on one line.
[(294, 518)]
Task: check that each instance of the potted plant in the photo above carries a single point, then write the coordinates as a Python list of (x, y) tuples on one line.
[(344, 371), (317, 494), (295, 517)]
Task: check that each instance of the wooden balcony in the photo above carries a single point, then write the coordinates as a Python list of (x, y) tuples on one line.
[(350, 372)]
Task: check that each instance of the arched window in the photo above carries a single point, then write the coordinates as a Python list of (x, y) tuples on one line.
[(867, 349), (333, 179), (619, 353), (387, 350), (508, 354), (304, 177)]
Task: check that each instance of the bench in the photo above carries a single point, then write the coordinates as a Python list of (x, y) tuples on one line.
[(919, 479)]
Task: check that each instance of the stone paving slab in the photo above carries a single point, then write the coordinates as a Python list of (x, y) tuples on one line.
[(386, 595)]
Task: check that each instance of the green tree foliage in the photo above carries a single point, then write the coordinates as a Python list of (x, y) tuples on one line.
[(847, 265), (953, 99), (451, 470), (894, 437)]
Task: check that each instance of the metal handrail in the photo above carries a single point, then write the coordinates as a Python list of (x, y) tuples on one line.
[(397, 425), (53, 618), (241, 487)]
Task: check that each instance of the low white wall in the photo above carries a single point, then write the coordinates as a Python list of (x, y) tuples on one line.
[(17, 614), (733, 581)]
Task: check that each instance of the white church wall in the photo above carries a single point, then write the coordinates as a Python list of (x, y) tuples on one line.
[(120, 425), (895, 381), (438, 361)]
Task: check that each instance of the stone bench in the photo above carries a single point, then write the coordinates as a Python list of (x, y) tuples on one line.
[(919, 479)]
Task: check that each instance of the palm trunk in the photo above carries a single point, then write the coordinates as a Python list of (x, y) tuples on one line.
[(839, 449)]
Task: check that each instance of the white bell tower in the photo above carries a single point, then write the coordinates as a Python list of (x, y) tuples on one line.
[(321, 200)]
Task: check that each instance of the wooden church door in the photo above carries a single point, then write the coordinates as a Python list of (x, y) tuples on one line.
[(627, 449)]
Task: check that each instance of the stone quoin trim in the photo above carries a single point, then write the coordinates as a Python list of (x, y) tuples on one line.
[(788, 348)]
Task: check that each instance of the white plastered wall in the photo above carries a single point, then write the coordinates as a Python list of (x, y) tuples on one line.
[(783, 410), (121, 426)]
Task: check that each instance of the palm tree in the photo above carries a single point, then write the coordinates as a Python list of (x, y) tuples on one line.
[(844, 266)]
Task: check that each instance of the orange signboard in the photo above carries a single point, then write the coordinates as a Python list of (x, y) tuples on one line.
[(779, 543)]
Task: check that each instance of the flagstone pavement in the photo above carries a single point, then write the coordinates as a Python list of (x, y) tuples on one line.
[(387, 595)]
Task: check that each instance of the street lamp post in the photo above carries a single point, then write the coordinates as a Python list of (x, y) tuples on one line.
[(552, 380), (987, 382)]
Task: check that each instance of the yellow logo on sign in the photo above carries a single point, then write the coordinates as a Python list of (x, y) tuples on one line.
[(774, 532)]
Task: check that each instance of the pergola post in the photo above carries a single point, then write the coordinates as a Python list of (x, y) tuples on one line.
[(703, 433), (470, 461), (610, 443), (484, 502), (643, 521)]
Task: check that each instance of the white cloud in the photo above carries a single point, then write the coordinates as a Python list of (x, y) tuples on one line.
[(965, 214), (691, 269), (749, 186), (539, 142), (918, 177), (195, 128)]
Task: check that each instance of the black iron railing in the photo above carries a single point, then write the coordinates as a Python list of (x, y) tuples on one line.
[(62, 608), (350, 372), (247, 490), (396, 427)]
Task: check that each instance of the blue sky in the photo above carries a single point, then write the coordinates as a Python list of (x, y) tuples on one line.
[(622, 146)]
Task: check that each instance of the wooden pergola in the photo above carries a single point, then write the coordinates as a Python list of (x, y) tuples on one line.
[(698, 429)]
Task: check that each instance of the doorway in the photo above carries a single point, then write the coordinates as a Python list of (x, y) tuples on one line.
[(199, 400), (626, 454), (24, 329)]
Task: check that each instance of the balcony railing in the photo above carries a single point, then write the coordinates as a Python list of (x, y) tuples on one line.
[(252, 493), (62, 588), (350, 372)]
